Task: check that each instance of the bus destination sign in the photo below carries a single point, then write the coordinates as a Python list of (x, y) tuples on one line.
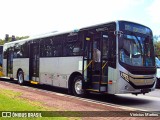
[(134, 28)]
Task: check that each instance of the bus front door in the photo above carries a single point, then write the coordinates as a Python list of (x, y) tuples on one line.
[(34, 62), (95, 62), (100, 62)]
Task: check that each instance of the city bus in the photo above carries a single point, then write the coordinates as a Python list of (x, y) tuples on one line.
[(110, 58)]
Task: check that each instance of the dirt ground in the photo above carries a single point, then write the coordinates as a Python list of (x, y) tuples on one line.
[(65, 103)]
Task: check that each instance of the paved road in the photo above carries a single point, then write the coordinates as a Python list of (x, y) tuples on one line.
[(149, 102), (155, 93), (141, 102)]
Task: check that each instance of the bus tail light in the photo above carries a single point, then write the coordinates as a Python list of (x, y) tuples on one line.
[(110, 82)]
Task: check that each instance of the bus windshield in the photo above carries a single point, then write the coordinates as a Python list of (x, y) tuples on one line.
[(137, 50)]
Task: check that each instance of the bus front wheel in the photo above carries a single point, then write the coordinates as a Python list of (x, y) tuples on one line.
[(20, 77), (77, 87)]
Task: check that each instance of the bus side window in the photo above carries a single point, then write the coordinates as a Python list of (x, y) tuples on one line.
[(72, 45), (57, 46), (46, 47), (42, 48), (17, 51), (76, 51), (77, 48)]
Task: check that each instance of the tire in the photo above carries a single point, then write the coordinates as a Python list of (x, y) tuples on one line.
[(158, 83), (20, 77), (77, 87)]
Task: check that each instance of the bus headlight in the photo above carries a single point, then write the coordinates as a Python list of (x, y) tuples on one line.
[(124, 76)]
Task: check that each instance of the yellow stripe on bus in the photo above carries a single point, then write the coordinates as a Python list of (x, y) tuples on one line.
[(88, 65), (33, 82), (104, 65)]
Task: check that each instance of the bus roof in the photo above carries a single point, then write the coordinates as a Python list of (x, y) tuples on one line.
[(55, 33), (39, 36)]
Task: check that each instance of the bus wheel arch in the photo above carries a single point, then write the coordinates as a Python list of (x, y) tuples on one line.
[(20, 76), (75, 79)]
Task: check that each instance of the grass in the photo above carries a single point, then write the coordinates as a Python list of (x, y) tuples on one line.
[(11, 101)]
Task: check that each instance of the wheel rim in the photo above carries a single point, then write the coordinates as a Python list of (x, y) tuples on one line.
[(20, 78), (78, 86)]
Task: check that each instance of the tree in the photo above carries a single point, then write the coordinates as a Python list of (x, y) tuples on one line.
[(22, 37), (9, 39), (2, 42)]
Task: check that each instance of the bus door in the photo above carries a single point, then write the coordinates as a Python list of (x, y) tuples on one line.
[(34, 62), (10, 63), (100, 61), (95, 61)]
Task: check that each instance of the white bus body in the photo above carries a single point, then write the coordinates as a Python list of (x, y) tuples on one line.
[(66, 60)]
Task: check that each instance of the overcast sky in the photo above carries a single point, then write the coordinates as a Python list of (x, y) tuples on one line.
[(31, 17)]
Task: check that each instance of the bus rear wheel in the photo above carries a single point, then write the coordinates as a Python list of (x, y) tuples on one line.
[(20, 77), (77, 87)]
